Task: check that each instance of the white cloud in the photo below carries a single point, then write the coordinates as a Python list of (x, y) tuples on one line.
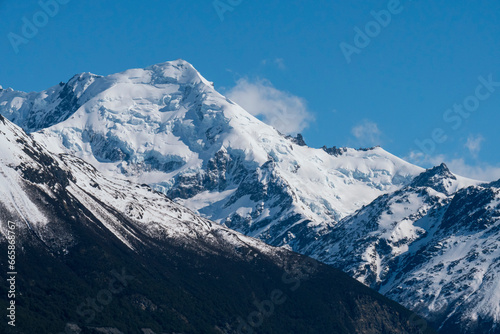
[(480, 171), (284, 111), (367, 133), (278, 62), (473, 144)]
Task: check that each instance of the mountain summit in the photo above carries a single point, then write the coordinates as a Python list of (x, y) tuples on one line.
[(166, 126), (439, 178)]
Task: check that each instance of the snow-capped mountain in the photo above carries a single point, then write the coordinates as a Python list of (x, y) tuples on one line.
[(432, 246), (101, 255), (397, 228), (166, 126)]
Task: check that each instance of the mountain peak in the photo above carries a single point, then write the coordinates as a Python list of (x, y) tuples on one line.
[(178, 70), (439, 178), (442, 169), (494, 184), (84, 76), (299, 139)]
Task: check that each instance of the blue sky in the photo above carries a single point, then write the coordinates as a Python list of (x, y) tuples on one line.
[(328, 69)]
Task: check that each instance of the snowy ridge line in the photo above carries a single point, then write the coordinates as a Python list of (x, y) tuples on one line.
[(433, 250), (166, 126), (12, 201)]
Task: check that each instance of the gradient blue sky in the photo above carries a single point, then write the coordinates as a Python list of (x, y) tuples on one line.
[(287, 55)]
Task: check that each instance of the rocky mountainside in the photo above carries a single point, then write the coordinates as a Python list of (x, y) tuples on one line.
[(101, 255), (432, 245)]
